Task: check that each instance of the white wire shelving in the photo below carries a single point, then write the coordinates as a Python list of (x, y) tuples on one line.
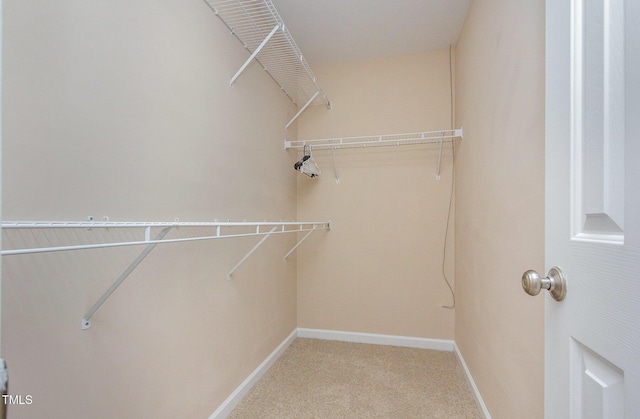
[(259, 27), (387, 140), (219, 230), (377, 140)]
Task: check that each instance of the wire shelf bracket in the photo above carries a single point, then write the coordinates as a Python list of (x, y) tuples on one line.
[(259, 27), (298, 244), (222, 230), (427, 137), (253, 249), (301, 110), (440, 160), (253, 55), (86, 319)]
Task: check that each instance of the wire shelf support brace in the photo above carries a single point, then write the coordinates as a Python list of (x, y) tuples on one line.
[(253, 249), (86, 319)]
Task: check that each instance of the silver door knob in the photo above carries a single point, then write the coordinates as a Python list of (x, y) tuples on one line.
[(555, 283)]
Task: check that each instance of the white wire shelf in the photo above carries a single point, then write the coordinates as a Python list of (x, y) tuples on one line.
[(144, 224), (427, 137), (261, 30), (377, 140), (220, 230)]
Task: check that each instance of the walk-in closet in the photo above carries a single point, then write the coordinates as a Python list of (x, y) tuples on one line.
[(195, 190)]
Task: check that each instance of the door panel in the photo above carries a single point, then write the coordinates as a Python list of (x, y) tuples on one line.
[(592, 361), (598, 385), (598, 135)]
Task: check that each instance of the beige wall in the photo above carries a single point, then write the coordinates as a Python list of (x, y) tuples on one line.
[(123, 109), (379, 269), (500, 202)]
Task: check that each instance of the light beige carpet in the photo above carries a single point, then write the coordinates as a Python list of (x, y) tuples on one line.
[(328, 379)]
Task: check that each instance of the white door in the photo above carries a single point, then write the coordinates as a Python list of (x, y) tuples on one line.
[(592, 337)]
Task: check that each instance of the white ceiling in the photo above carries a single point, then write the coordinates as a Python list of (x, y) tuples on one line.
[(328, 31)]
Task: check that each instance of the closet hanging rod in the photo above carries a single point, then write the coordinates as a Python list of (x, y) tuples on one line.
[(377, 140), (220, 232)]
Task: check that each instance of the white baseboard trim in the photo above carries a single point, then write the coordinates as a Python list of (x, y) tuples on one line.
[(476, 392), (243, 389), (392, 340)]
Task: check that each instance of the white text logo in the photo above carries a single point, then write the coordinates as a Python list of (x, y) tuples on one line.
[(17, 399)]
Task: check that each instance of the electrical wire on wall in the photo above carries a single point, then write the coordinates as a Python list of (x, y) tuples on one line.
[(453, 174)]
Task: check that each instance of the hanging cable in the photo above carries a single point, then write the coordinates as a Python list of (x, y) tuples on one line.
[(453, 174)]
